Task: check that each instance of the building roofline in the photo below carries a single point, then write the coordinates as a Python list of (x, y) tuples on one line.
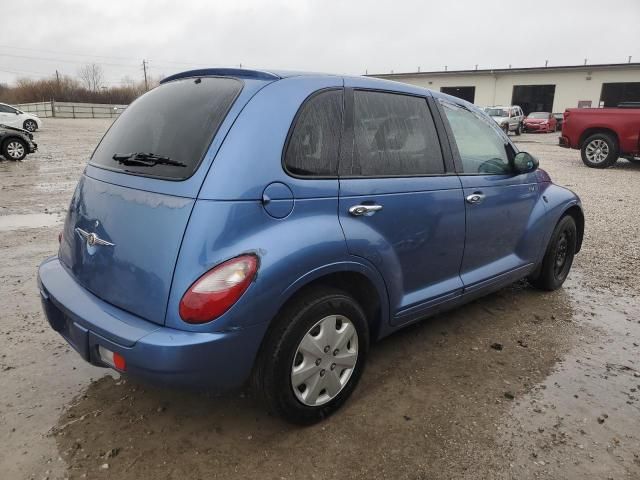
[(493, 71)]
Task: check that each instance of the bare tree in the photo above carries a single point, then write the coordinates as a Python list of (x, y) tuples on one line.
[(92, 76)]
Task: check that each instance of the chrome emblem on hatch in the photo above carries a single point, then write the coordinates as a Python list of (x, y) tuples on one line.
[(92, 239)]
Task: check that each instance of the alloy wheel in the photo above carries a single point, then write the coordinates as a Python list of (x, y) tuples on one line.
[(324, 360), (597, 151), (15, 150), (30, 126)]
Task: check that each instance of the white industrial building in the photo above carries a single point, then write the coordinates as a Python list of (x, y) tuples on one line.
[(547, 89)]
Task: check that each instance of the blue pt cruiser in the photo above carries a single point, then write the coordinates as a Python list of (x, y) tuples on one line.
[(240, 225)]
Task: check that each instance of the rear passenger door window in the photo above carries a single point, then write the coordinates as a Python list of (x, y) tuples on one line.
[(393, 136), (314, 142), (481, 147)]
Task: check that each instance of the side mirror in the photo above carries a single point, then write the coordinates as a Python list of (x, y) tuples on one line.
[(524, 162)]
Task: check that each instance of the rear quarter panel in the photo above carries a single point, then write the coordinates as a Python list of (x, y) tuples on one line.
[(292, 251)]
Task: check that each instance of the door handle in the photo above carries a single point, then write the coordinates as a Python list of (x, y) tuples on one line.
[(364, 210), (475, 198)]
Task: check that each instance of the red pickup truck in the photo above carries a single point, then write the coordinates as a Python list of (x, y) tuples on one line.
[(602, 134)]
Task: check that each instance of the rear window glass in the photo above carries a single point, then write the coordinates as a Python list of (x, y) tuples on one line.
[(175, 121), (394, 135), (315, 141)]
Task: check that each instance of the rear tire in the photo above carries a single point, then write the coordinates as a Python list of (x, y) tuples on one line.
[(286, 356), (558, 258), (519, 129), (599, 150), (14, 149)]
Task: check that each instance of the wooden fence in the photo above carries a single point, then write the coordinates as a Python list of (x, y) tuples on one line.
[(72, 110)]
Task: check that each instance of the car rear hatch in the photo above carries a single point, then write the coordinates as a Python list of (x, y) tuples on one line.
[(127, 217)]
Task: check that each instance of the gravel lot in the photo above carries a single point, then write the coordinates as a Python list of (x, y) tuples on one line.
[(557, 398)]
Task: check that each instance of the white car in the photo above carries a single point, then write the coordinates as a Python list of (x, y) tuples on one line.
[(13, 117), (509, 118)]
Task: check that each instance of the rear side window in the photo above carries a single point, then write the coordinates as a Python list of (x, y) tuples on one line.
[(314, 142), (480, 145), (177, 121), (394, 135)]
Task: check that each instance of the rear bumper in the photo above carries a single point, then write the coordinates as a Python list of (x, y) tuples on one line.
[(153, 353)]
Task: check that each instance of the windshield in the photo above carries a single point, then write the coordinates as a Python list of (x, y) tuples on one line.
[(497, 112), (176, 121), (538, 115)]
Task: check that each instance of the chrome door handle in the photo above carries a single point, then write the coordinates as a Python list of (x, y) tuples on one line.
[(475, 198), (364, 210)]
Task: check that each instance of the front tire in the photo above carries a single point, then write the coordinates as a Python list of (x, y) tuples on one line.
[(313, 357), (599, 151), (30, 125), (558, 258), (14, 149)]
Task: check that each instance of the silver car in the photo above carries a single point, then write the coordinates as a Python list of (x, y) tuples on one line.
[(509, 118)]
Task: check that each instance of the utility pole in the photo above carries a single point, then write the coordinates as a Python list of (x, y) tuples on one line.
[(629, 59), (144, 69), (58, 78)]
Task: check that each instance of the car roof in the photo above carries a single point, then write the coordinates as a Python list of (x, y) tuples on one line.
[(242, 73), (355, 81)]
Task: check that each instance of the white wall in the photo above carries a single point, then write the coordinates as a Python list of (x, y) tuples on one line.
[(497, 89)]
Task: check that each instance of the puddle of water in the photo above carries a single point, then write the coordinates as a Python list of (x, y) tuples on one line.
[(582, 420), (9, 223)]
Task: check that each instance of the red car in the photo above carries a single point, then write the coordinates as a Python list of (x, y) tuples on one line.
[(540, 122), (602, 134)]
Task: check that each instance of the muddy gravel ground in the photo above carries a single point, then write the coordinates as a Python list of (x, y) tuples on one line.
[(520, 384)]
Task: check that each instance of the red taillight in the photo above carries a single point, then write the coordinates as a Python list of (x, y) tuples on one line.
[(119, 362), (218, 289)]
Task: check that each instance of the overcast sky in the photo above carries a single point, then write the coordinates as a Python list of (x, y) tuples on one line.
[(348, 36)]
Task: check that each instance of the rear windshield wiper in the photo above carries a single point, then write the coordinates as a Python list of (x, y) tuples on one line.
[(141, 159)]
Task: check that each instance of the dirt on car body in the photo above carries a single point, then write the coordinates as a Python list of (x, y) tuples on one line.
[(558, 399)]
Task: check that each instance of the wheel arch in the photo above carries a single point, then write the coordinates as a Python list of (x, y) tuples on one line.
[(578, 215), (360, 281), (594, 130)]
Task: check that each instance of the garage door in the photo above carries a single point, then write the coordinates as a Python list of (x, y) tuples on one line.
[(534, 98), (615, 93), (465, 93)]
